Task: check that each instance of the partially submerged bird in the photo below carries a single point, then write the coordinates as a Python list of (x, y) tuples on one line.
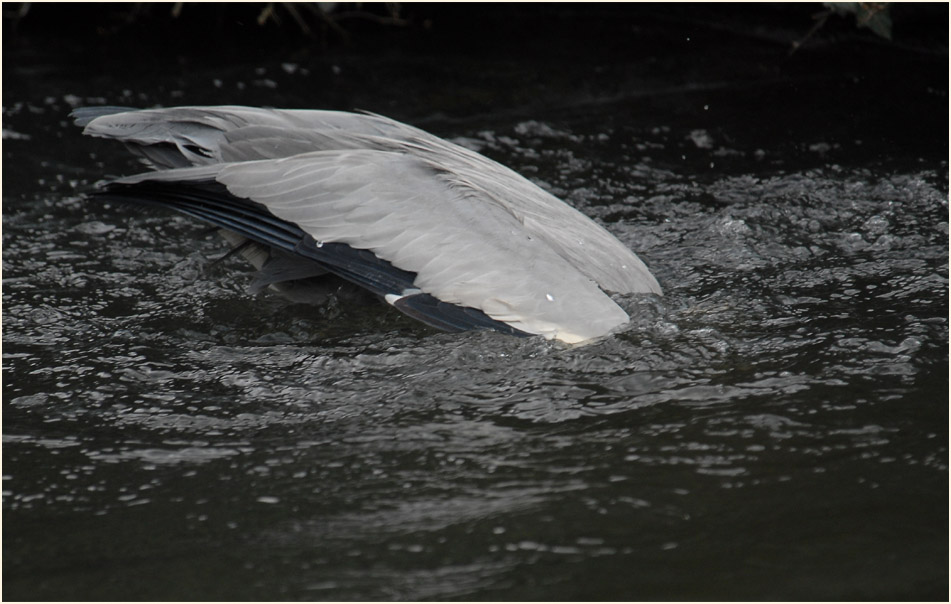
[(442, 233)]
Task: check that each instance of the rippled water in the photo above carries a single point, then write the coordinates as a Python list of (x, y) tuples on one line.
[(775, 427)]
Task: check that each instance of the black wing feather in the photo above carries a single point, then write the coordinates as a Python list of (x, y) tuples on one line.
[(211, 202)]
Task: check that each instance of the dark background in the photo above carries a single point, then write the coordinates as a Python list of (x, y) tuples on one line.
[(493, 27), (833, 82), (150, 35), (816, 385)]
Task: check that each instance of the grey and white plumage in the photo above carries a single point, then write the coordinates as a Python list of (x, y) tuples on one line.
[(445, 234)]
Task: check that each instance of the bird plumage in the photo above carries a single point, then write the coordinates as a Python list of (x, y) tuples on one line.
[(445, 226)]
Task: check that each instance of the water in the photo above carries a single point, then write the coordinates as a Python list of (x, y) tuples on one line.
[(775, 427)]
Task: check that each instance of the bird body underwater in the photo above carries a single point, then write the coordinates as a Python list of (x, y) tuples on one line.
[(442, 233)]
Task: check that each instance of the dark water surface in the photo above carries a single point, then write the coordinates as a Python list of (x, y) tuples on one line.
[(775, 427)]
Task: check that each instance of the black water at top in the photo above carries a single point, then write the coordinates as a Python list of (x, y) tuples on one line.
[(774, 427)]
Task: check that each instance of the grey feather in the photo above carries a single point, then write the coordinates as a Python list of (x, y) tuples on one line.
[(476, 233)]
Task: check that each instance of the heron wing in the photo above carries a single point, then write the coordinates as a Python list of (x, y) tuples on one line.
[(461, 249)]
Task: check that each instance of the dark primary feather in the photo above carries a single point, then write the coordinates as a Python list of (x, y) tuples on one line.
[(210, 202)]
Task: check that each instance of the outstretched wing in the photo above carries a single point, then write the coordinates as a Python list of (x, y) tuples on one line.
[(192, 136), (404, 211)]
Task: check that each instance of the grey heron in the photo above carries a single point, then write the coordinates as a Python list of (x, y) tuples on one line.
[(438, 231)]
